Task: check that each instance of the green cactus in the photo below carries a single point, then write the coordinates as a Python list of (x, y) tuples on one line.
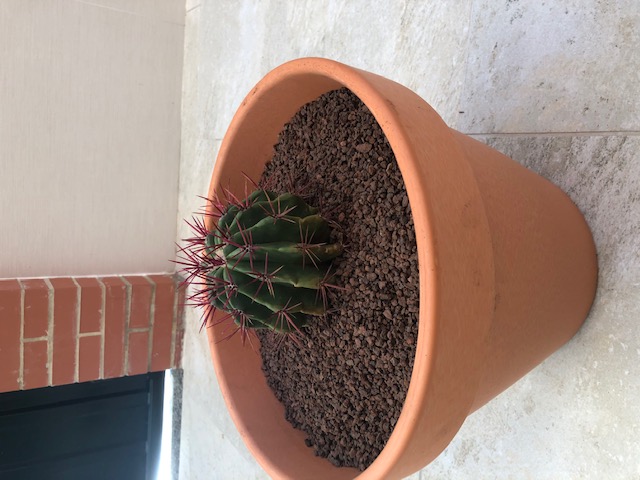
[(266, 263)]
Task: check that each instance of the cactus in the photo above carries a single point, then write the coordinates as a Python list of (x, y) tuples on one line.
[(266, 263)]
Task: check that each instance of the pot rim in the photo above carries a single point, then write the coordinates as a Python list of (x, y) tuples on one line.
[(455, 311)]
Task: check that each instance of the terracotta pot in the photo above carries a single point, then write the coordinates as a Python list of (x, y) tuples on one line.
[(507, 271)]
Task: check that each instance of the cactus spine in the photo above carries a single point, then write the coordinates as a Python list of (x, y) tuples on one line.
[(266, 263)]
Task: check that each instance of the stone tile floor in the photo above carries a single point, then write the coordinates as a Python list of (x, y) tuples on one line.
[(552, 84)]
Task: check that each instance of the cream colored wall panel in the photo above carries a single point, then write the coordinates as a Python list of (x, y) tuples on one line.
[(89, 139)]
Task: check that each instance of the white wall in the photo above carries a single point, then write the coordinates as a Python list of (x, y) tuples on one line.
[(89, 135)]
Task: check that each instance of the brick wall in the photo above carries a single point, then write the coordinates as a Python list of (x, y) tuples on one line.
[(64, 330)]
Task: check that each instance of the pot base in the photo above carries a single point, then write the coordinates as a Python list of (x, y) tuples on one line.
[(545, 267)]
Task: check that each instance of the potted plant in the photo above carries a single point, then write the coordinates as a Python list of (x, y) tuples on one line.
[(265, 263), (507, 270)]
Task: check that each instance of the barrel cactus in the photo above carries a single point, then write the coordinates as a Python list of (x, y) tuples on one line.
[(266, 263)]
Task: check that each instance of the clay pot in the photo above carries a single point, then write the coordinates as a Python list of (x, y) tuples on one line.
[(507, 271)]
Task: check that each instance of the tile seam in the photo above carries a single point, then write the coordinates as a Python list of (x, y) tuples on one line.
[(139, 330), (89, 334), (76, 367), (152, 320), (127, 322), (103, 321), (465, 65), (174, 324), (613, 133), (50, 328), (178, 318), (94, 277), (21, 346), (44, 338), (125, 12)]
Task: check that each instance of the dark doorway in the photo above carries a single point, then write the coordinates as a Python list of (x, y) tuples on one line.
[(108, 429)]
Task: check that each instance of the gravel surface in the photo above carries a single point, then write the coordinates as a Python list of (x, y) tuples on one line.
[(346, 382)]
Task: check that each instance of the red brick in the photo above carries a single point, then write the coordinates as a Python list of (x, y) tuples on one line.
[(65, 335), (162, 322), (114, 318), (140, 302), (138, 353), (89, 358), (90, 305), (36, 374), (10, 318), (36, 308)]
